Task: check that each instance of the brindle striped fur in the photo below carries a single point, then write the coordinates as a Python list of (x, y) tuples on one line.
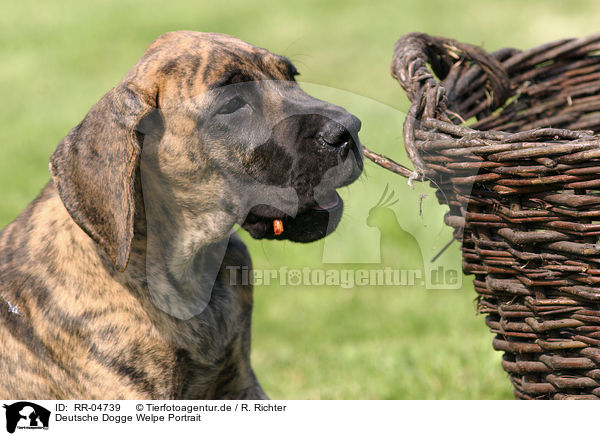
[(73, 264)]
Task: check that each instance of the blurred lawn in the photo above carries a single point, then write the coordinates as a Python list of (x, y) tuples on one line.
[(58, 58)]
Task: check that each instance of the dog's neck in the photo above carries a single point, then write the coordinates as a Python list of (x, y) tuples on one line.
[(181, 255)]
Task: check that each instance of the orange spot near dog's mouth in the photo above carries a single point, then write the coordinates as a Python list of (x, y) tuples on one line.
[(277, 227)]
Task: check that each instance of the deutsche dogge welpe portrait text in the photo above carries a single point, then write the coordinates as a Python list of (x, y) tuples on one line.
[(115, 282)]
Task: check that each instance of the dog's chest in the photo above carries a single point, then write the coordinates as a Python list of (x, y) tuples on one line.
[(191, 355)]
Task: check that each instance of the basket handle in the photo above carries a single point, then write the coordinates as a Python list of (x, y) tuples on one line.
[(414, 51), (428, 96)]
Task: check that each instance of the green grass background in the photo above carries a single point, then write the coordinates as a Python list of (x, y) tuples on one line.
[(58, 58)]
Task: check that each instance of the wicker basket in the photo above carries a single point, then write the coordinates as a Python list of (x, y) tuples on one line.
[(522, 183)]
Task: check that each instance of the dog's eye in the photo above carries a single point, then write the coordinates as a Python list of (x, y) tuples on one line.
[(232, 105)]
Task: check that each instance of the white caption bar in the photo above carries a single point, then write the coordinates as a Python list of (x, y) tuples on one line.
[(294, 417)]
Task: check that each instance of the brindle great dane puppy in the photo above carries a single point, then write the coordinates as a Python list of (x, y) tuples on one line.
[(76, 316)]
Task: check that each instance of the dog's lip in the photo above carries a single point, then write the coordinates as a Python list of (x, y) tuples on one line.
[(260, 222), (329, 202)]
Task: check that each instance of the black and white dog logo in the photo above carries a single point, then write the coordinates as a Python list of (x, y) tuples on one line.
[(25, 415)]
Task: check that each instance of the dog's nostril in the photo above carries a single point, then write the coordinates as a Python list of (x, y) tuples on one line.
[(335, 136), (335, 141)]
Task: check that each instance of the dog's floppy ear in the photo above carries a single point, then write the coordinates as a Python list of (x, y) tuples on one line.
[(94, 166)]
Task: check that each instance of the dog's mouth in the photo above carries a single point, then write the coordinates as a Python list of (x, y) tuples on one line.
[(313, 221)]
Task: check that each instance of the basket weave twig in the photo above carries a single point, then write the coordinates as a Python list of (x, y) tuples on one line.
[(522, 182)]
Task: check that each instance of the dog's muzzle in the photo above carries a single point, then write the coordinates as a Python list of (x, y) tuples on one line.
[(330, 158)]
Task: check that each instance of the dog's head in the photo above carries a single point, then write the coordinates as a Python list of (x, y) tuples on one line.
[(222, 133)]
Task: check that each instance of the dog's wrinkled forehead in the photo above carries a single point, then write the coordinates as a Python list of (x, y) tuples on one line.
[(189, 63)]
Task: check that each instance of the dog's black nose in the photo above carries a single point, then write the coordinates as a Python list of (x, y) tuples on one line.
[(340, 135)]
